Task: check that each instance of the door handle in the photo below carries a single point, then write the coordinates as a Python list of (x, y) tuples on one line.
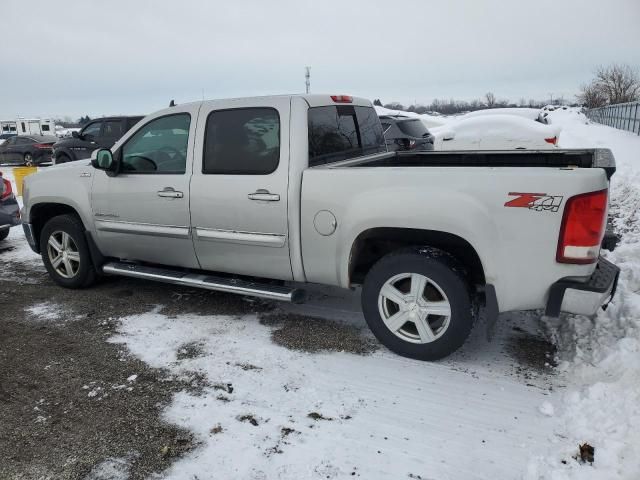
[(264, 195), (169, 192)]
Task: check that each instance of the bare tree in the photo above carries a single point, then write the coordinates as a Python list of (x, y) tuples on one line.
[(490, 99), (591, 96), (619, 83)]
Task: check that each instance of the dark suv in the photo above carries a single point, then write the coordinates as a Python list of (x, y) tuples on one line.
[(406, 133), (99, 133)]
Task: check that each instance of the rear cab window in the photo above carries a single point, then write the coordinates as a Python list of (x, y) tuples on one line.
[(341, 132), (413, 128)]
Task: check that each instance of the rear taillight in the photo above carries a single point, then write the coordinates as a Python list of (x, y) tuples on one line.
[(342, 98), (7, 191), (582, 229), (552, 140), (42, 145)]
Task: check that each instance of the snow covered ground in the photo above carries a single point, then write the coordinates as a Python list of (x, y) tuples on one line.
[(601, 359), (492, 411)]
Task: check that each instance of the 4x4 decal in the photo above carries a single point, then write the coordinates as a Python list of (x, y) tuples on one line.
[(535, 201)]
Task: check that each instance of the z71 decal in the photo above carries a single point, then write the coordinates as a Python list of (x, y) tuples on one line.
[(535, 201)]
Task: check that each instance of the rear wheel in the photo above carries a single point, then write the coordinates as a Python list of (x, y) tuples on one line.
[(4, 233), (417, 303), (65, 252), (28, 159)]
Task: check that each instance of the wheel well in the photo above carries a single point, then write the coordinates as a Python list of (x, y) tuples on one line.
[(64, 153), (371, 245), (41, 213)]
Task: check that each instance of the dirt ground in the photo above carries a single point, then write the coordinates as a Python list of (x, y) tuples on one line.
[(68, 399)]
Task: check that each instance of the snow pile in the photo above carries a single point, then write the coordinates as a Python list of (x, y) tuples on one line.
[(601, 359), (428, 120), (493, 132), (528, 113), (565, 116)]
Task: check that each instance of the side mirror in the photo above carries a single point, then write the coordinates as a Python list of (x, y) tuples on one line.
[(75, 134), (102, 159)]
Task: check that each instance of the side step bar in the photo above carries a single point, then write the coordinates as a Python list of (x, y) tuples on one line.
[(206, 281)]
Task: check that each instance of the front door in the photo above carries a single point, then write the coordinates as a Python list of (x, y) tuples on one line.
[(143, 212), (239, 187)]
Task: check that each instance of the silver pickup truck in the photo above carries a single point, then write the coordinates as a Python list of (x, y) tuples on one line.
[(259, 195)]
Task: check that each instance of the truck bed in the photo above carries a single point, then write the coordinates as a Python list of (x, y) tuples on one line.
[(583, 158)]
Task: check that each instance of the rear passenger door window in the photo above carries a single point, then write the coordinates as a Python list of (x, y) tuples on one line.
[(243, 141), (112, 129), (160, 146)]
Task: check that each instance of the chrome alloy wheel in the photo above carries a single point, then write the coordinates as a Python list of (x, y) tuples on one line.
[(63, 254), (414, 308)]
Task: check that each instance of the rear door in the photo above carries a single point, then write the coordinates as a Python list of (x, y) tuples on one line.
[(112, 130), (239, 187), (23, 146), (143, 212)]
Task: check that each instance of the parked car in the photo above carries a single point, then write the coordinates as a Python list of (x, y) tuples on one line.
[(495, 132), (9, 208), (301, 188), (27, 149), (5, 136), (100, 133), (403, 133)]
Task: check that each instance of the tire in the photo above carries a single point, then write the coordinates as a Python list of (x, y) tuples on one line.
[(444, 289), (62, 158), (28, 159), (4, 233), (77, 264)]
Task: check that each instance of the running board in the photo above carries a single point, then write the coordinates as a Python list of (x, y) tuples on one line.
[(206, 281)]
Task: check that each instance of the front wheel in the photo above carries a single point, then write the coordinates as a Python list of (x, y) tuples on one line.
[(417, 303), (62, 158), (65, 252), (4, 233)]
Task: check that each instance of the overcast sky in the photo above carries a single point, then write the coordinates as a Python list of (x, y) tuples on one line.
[(101, 57)]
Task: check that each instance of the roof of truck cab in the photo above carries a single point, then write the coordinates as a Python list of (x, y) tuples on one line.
[(313, 99)]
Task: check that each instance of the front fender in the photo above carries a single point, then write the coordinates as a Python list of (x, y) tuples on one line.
[(68, 184)]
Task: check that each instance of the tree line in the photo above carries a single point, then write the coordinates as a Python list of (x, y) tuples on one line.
[(616, 83), (453, 106)]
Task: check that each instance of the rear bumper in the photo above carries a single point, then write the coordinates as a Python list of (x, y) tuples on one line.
[(9, 214), (584, 298)]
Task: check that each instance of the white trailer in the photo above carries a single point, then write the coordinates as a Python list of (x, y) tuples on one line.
[(28, 126)]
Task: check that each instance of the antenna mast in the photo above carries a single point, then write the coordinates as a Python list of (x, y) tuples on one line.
[(307, 78)]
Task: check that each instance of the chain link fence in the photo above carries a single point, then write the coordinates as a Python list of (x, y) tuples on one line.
[(625, 116)]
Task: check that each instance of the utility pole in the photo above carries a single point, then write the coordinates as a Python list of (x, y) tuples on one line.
[(307, 78)]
